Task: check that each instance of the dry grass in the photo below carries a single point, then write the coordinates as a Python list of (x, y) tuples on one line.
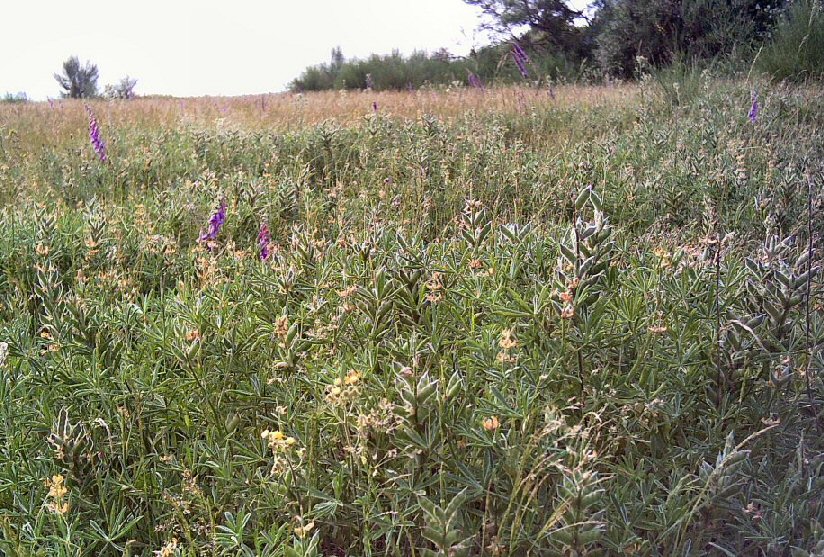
[(40, 124)]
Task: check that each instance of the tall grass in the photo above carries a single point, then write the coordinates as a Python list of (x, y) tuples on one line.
[(796, 51)]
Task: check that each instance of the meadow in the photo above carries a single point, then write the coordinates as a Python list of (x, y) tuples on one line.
[(578, 321)]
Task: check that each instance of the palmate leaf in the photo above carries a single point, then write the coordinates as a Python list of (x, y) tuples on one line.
[(638, 342), (441, 528)]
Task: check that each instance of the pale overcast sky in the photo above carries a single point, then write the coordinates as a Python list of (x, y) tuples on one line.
[(190, 48)]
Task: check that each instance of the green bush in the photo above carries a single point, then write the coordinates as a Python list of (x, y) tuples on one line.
[(662, 31), (19, 97), (492, 64), (797, 49)]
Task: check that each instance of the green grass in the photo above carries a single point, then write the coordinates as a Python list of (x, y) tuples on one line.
[(550, 330), (796, 51)]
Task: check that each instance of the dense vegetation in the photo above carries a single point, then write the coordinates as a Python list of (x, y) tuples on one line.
[(617, 38), (797, 49), (470, 323)]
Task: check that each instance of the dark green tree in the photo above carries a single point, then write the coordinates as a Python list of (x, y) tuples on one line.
[(637, 28), (337, 59), (77, 82), (662, 31), (550, 22), (122, 90)]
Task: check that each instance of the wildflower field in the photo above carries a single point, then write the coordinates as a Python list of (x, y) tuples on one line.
[(585, 321)]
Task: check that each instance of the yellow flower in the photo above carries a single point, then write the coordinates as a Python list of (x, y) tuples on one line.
[(167, 550), (301, 531), (508, 340), (282, 327), (353, 377), (492, 423), (58, 492), (664, 256), (343, 390), (59, 507), (57, 487)]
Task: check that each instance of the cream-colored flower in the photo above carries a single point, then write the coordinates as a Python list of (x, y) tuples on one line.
[(492, 423), (302, 531)]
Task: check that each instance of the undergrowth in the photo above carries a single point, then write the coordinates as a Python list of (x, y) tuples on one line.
[(550, 330)]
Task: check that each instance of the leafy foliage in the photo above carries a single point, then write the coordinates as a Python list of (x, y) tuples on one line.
[(124, 89), (491, 64), (19, 97), (552, 22), (797, 49), (78, 81), (663, 31), (478, 333)]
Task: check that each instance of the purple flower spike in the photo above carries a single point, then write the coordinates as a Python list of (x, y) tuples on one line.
[(264, 241), (753, 114), (520, 52), (521, 59), (215, 223), (375, 106), (475, 81), (94, 136)]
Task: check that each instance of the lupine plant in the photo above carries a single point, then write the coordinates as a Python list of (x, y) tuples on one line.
[(94, 136), (588, 325), (521, 59)]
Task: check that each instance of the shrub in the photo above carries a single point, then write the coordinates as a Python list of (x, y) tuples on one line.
[(797, 49), (665, 30), (124, 89), (398, 72), (19, 97)]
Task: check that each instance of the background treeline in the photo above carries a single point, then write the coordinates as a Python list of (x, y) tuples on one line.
[(396, 71), (615, 39)]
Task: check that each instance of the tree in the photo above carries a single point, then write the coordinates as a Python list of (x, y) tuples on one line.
[(337, 59), (631, 29), (122, 90), (551, 22), (19, 97), (662, 31), (796, 50), (78, 82)]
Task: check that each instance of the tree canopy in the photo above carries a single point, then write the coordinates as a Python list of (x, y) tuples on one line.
[(663, 30), (613, 38), (78, 82), (551, 21), (124, 89)]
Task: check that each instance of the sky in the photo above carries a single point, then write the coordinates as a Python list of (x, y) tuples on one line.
[(195, 48), (191, 48)]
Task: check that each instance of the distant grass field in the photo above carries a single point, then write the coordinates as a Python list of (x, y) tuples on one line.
[(465, 323)]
